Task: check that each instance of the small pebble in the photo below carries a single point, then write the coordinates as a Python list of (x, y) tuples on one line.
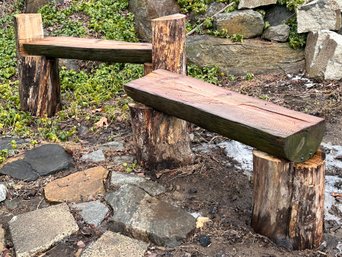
[(80, 244), (204, 240), (192, 190)]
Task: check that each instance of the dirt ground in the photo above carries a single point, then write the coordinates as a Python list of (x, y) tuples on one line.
[(211, 187)]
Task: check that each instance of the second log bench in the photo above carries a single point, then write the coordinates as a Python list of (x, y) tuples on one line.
[(288, 173)]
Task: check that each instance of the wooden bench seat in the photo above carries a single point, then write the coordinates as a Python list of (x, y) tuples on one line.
[(90, 49), (268, 127)]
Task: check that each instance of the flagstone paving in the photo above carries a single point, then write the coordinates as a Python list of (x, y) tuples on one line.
[(112, 244), (77, 187), (36, 231), (148, 218), (93, 213), (41, 161), (119, 179)]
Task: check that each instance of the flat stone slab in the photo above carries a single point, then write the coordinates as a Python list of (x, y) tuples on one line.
[(255, 3), (148, 218), (36, 231), (119, 160), (113, 244), (3, 192), (41, 161), (97, 156), (93, 213), (114, 145), (119, 179), (80, 186), (268, 57)]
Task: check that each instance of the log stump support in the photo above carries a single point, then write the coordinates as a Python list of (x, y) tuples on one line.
[(163, 141), (288, 203), (39, 85)]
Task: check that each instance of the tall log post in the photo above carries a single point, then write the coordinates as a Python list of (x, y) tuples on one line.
[(289, 200), (39, 85), (163, 141)]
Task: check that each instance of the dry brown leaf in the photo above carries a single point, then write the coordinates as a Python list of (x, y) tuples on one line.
[(103, 122)]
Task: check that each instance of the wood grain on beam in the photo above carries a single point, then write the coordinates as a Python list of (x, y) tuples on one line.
[(90, 49), (270, 128)]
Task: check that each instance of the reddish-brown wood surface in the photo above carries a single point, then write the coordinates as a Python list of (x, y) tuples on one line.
[(266, 126), (90, 49)]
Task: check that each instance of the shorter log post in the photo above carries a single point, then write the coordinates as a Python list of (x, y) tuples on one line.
[(39, 85), (289, 200), (163, 141)]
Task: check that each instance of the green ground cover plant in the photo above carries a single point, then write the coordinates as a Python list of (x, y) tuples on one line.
[(99, 86)]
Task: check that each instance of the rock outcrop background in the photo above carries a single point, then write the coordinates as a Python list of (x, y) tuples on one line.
[(273, 32)]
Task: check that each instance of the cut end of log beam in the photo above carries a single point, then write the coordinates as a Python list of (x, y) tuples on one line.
[(303, 145)]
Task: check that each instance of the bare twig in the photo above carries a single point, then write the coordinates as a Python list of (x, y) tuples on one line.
[(200, 25)]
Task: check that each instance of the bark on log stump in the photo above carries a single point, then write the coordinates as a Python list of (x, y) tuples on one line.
[(289, 200), (163, 141), (39, 85)]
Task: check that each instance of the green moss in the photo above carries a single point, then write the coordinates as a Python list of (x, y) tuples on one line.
[(291, 4), (296, 41)]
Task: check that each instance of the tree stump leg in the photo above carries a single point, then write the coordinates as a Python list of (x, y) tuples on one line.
[(159, 140), (163, 141), (39, 85), (289, 200)]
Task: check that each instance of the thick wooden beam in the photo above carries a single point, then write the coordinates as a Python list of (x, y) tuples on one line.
[(90, 49), (289, 200), (39, 86), (270, 128), (163, 141)]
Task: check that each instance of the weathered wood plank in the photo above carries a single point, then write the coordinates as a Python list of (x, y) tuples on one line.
[(270, 128), (90, 49)]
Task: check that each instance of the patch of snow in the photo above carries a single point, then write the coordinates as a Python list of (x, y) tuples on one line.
[(196, 215), (203, 148), (3, 192), (329, 200), (333, 155), (240, 153)]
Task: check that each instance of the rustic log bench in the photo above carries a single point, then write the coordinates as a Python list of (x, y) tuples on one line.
[(288, 174), (39, 83)]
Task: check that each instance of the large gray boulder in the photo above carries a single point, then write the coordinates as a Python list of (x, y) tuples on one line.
[(279, 33), (32, 6), (324, 55), (255, 3), (247, 23), (147, 218), (146, 10), (235, 58), (319, 15), (278, 14)]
